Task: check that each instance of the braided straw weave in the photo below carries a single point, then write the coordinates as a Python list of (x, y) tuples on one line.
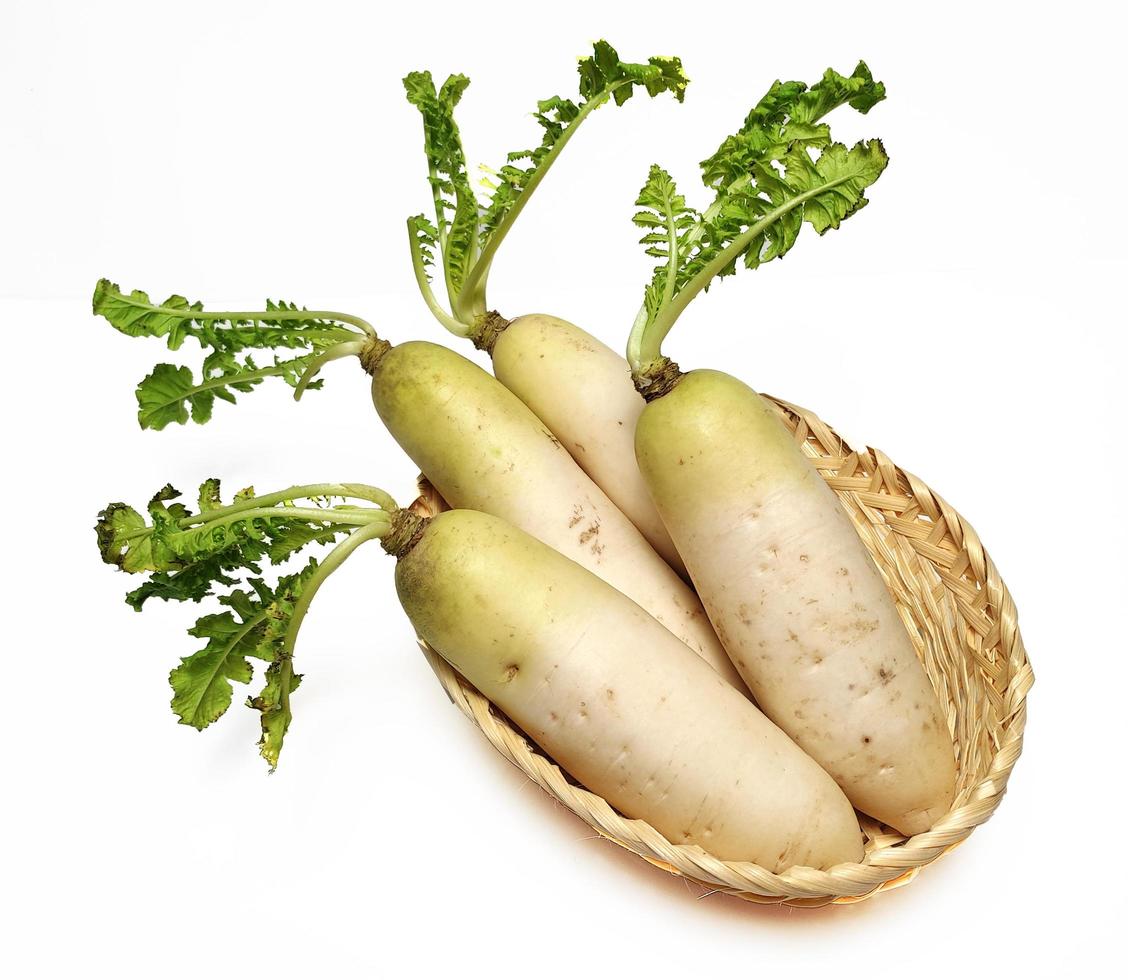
[(963, 624)]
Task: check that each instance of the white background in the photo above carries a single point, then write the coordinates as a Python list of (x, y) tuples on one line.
[(969, 323)]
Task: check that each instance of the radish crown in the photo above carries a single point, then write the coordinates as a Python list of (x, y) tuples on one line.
[(220, 550), (172, 394), (467, 231), (779, 169)]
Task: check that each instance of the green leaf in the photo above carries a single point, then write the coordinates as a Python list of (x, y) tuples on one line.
[(273, 705), (831, 187), (425, 241), (289, 539), (554, 115), (278, 325), (603, 73), (195, 579), (170, 393), (256, 627), (455, 231), (118, 527), (208, 496), (669, 224), (201, 685), (789, 113), (273, 701), (135, 315), (191, 556), (188, 562)]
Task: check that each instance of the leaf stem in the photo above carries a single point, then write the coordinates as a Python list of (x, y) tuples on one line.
[(475, 285), (347, 348), (356, 516), (332, 561), (456, 327), (223, 380), (436, 193), (671, 253), (260, 316), (360, 491)]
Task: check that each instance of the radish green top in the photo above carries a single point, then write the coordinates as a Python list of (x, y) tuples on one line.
[(467, 231), (220, 550), (463, 239), (298, 341), (779, 170)]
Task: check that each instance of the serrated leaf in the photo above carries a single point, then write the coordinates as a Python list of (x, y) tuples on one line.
[(201, 685), (208, 497), (456, 208), (171, 394), (273, 701), (193, 580), (118, 527), (135, 315), (665, 212), (273, 705), (789, 114), (188, 563), (189, 556), (844, 173), (425, 241), (279, 325), (286, 540)]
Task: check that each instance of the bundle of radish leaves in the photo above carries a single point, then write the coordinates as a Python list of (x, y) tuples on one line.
[(804, 616)]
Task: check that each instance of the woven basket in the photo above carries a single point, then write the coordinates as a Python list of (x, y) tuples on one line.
[(963, 624)]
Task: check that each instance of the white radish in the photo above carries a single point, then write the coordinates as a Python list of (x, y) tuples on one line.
[(582, 390), (789, 585), (657, 734), (796, 598)]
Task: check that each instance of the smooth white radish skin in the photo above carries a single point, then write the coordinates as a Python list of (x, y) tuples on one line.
[(660, 736), (482, 448), (796, 598), (582, 390)]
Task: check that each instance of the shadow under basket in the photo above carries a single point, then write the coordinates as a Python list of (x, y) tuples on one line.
[(963, 625)]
